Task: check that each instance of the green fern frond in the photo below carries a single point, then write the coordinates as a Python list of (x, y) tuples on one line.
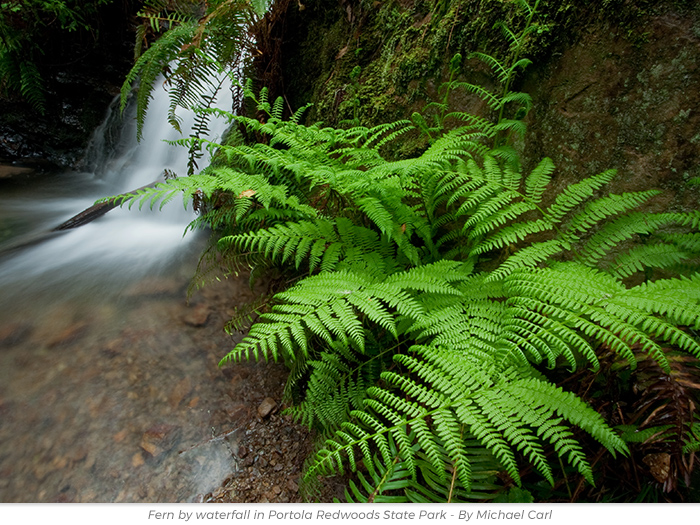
[(659, 255), (31, 86), (575, 194), (150, 66), (619, 230)]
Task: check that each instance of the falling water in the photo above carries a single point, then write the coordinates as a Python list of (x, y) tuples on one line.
[(102, 256), (107, 384)]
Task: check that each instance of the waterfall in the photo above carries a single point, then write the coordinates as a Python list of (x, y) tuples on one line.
[(109, 391), (124, 245)]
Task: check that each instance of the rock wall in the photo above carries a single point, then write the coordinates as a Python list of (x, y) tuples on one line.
[(82, 73), (615, 84)]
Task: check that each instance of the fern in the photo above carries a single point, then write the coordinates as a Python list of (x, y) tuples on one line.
[(403, 345), (193, 51), (431, 294)]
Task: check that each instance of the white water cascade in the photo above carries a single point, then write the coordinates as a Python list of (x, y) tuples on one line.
[(125, 244), (109, 385)]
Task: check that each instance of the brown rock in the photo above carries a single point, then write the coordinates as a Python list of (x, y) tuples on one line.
[(13, 333), (157, 439), (178, 393), (155, 287), (137, 460), (120, 436), (67, 335), (60, 462), (197, 316), (266, 407), (78, 454)]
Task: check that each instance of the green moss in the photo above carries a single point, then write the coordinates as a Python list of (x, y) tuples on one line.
[(403, 49)]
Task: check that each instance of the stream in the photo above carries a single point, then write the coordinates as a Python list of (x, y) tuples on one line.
[(109, 384)]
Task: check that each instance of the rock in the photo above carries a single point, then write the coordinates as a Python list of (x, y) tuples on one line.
[(13, 333), (197, 316), (157, 439), (137, 460), (120, 436), (67, 335), (292, 485), (8, 171), (266, 407), (155, 288), (178, 393)]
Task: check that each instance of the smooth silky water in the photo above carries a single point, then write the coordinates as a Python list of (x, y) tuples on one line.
[(105, 393)]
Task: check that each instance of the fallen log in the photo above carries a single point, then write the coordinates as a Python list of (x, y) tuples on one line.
[(90, 214), (95, 211)]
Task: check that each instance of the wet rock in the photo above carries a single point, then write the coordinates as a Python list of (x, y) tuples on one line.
[(67, 335), (178, 393), (197, 316), (155, 288), (120, 436), (13, 333), (158, 439), (60, 462), (9, 171), (77, 454), (266, 407), (137, 460), (238, 412)]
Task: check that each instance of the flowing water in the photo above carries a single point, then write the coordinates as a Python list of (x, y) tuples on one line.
[(109, 386)]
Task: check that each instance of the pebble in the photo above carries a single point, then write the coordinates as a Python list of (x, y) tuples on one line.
[(120, 436)]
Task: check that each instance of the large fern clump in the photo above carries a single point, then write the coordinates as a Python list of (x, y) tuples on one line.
[(428, 300), (432, 294)]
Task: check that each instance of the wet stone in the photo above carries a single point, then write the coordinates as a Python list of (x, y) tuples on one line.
[(180, 392), (155, 287), (137, 460), (13, 333), (68, 335), (197, 316), (158, 438), (266, 407)]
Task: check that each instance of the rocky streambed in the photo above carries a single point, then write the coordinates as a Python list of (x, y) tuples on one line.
[(123, 401)]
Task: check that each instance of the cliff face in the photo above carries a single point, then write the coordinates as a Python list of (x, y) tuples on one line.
[(615, 84), (82, 72)]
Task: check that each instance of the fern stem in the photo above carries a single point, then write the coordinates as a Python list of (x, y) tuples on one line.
[(377, 489), (454, 470)]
